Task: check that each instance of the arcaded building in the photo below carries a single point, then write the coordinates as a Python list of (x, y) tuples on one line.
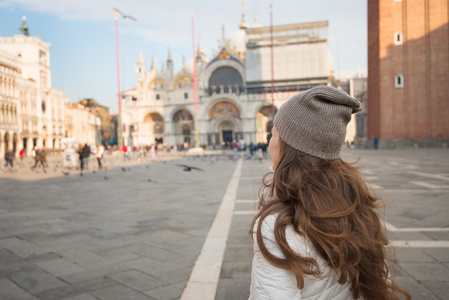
[(31, 110), (408, 72), (234, 86)]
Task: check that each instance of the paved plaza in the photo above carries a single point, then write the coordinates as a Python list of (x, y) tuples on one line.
[(150, 230)]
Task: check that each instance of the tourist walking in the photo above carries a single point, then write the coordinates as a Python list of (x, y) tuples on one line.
[(85, 154), (40, 158), (9, 158), (317, 234), (100, 152), (22, 154)]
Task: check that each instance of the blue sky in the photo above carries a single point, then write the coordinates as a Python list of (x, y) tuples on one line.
[(82, 34)]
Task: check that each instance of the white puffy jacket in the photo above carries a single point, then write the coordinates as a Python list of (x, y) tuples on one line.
[(270, 282)]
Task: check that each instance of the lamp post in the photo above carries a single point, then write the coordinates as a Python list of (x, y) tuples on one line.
[(116, 12), (195, 104), (272, 67)]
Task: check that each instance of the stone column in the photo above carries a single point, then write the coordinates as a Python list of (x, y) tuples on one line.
[(2, 143), (19, 143), (29, 145)]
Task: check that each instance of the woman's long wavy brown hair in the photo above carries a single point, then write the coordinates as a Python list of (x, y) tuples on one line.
[(329, 203)]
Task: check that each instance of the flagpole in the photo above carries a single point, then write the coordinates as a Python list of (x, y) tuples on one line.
[(120, 141), (195, 104), (272, 67)]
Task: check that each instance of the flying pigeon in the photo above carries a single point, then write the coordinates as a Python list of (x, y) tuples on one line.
[(152, 180), (123, 169), (190, 168)]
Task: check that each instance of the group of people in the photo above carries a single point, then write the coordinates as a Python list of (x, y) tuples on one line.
[(38, 154), (84, 151), (40, 157)]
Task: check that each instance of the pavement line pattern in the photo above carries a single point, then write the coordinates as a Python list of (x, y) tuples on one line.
[(245, 213), (246, 201), (392, 228), (435, 176), (376, 186), (203, 280), (429, 185), (419, 244)]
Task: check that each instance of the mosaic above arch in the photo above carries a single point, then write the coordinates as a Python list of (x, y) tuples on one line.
[(224, 108), (184, 82), (182, 115), (157, 85)]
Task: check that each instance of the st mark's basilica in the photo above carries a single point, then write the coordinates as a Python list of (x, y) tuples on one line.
[(234, 86)]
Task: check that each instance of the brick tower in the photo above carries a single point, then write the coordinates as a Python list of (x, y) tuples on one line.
[(408, 72)]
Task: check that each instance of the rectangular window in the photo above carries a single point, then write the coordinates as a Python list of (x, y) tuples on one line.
[(158, 97), (399, 81), (186, 95)]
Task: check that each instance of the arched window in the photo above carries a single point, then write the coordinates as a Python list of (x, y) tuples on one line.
[(43, 106), (225, 77), (399, 81), (398, 38)]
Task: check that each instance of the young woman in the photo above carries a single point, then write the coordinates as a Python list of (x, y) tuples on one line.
[(317, 234)]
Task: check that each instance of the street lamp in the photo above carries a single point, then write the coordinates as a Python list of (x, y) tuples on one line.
[(116, 12)]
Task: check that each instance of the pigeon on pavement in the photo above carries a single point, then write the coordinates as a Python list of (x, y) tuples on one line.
[(190, 168)]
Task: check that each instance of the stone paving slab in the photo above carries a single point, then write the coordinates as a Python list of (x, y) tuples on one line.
[(119, 292), (10, 290), (167, 292)]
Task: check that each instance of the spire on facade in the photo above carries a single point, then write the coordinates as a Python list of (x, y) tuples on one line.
[(243, 24), (169, 65), (200, 52), (169, 56), (140, 60), (24, 27), (255, 24), (140, 68), (153, 63)]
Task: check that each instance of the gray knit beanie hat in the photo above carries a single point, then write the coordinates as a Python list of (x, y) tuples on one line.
[(314, 121)]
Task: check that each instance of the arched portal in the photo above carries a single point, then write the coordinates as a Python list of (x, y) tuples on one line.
[(153, 125), (264, 123), (183, 126), (225, 121), (227, 129)]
